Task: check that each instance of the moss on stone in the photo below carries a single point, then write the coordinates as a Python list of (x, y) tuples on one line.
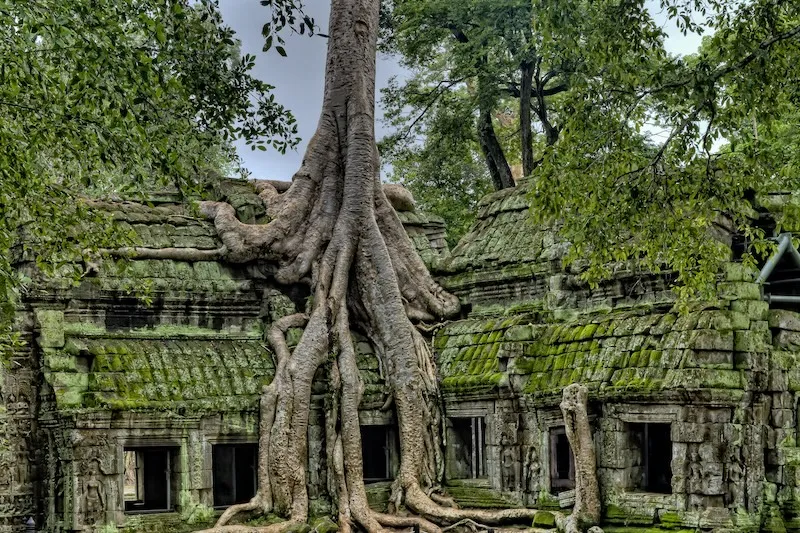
[(324, 525), (544, 520), (51, 328)]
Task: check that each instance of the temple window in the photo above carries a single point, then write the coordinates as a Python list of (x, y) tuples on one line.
[(378, 447), (235, 471), (562, 461), (467, 449), (651, 446), (149, 479)]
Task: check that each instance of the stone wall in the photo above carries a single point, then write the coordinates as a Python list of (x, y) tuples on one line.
[(20, 452)]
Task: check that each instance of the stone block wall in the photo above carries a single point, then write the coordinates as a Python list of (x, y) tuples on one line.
[(20, 452)]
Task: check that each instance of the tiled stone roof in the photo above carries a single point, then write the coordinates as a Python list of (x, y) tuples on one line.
[(218, 373), (615, 353)]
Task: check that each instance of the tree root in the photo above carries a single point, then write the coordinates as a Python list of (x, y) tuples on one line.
[(421, 504), (579, 433), (335, 227), (253, 505), (444, 501), (280, 527)]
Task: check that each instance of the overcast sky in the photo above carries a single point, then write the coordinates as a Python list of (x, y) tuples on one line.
[(298, 78)]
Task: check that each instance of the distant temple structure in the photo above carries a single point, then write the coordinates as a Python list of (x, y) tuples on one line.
[(129, 413)]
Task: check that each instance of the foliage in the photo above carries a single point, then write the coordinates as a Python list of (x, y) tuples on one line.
[(470, 58), (636, 173), (114, 96), (444, 172), (626, 194)]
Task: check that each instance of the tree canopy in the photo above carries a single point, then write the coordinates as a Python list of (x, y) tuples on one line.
[(112, 96), (628, 141)]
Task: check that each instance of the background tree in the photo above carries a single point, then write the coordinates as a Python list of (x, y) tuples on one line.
[(632, 163), (444, 169), (506, 68)]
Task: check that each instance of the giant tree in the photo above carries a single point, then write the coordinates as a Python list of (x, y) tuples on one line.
[(334, 229), (514, 58)]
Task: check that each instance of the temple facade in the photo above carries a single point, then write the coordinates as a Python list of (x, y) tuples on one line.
[(131, 403)]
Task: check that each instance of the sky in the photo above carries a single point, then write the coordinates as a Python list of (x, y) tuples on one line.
[(299, 78)]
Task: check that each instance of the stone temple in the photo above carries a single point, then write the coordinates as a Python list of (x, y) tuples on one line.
[(128, 413)]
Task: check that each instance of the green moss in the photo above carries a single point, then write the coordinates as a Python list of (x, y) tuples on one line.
[(615, 514), (629, 529), (324, 525), (544, 520), (51, 328), (466, 495), (547, 501), (670, 520)]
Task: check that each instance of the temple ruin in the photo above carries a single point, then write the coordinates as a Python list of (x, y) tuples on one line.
[(138, 411)]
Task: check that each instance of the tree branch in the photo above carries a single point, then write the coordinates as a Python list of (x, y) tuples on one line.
[(436, 93)]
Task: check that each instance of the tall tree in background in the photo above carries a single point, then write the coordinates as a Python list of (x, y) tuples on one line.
[(500, 71), (624, 141)]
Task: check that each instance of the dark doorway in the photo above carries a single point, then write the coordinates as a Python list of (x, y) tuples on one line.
[(377, 445), (148, 479), (654, 443), (562, 461), (235, 468)]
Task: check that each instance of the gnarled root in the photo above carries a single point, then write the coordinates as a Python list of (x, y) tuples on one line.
[(262, 501), (579, 433), (280, 527), (334, 229)]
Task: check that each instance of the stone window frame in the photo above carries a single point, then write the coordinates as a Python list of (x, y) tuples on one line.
[(208, 458), (177, 446), (552, 432), (550, 420), (377, 417), (485, 409), (647, 414)]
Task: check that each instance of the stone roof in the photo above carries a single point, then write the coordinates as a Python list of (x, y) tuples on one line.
[(169, 367), (506, 260), (504, 235), (626, 351), (159, 370)]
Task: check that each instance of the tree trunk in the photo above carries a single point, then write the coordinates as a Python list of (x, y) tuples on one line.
[(335, 230), (551, 132), (526, 134), (493, 152), (579, 433)]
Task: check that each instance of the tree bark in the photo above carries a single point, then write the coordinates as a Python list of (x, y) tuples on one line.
[(493, 152), (526, 134), (335, 229), (586, 512), (551, 132)]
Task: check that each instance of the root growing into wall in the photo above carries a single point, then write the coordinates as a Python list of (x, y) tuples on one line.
[(334, 230)]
